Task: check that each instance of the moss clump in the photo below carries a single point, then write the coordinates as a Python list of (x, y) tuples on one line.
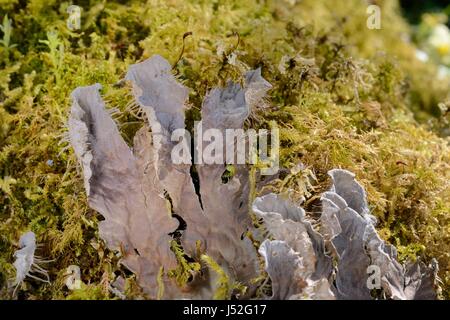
[(225, 288), (344, 96), (187, 267), (86, 292)]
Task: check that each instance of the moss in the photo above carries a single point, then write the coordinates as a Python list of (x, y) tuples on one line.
[(187, 267), (87, 292), (343, 96), (225, 287)]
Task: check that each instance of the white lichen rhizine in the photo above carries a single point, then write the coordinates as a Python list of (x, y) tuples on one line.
[(27, 264)]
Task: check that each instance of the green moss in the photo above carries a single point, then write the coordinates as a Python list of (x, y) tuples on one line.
[(225, 287), (186, 268), (343, 96), (87, 292)]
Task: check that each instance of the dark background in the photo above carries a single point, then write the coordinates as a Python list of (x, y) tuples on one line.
[(414, 9)]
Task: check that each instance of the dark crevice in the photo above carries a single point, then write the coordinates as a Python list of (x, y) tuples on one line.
[(226, 176), (177, 234), (192, 115), (182, 225), (168, 198), (195, 177), (127, 272)]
